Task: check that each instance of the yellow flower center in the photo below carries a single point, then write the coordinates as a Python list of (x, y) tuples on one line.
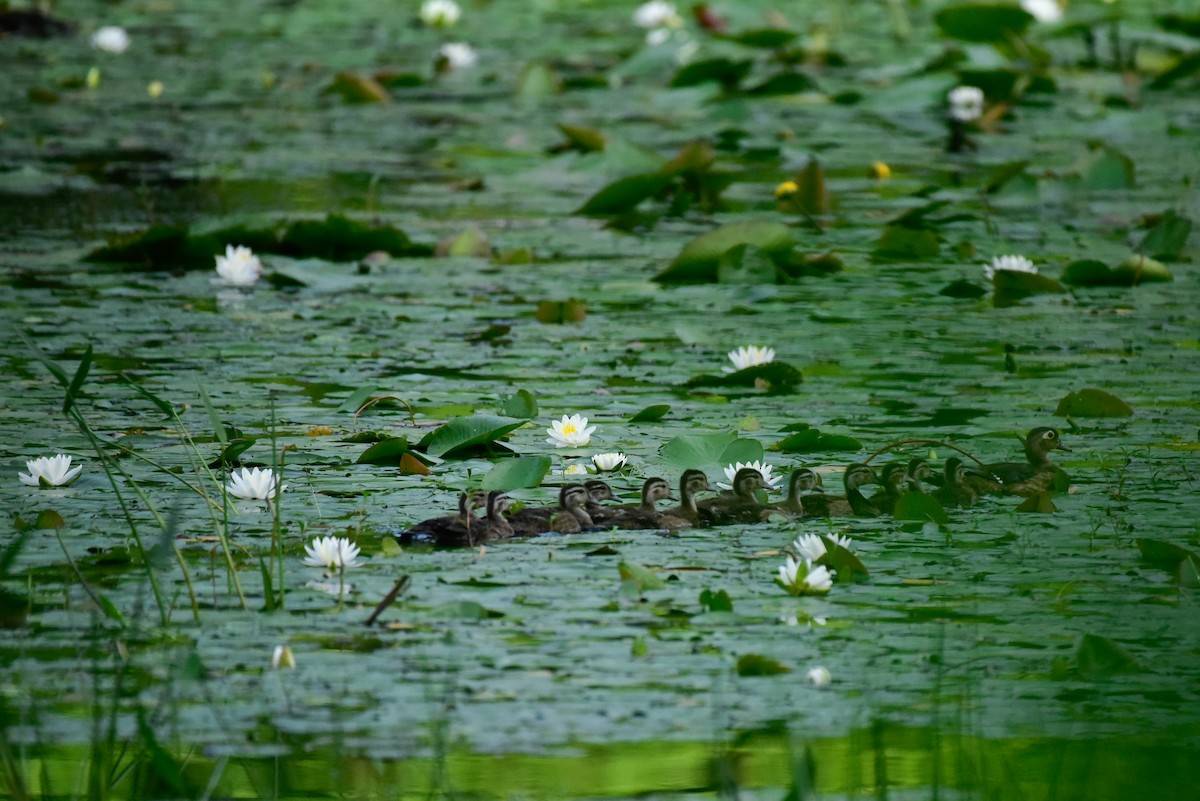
[(569, 428)]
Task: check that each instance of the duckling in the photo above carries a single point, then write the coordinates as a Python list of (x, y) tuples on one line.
[(954, 492), (568, 517), (803, 481), (1035, 475), (738, 506), (918, 471), (894, 483), (686, 513), (462, 523), (450, 532), (597, 491), (854, 503), (637, 515), (645, 514)]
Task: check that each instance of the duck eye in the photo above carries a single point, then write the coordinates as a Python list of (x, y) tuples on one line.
[(1049, 435)]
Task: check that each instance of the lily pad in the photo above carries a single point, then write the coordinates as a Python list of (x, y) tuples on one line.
[(624, 194), (639, 577), (651, 413), (982, 22), (725, 71), (1091, 402), (1012, 286), (1167, 238), (742, 449), (919, 506), (776, 377), (758, 665), (521, 403), (1099, 658), (694, 450), (387, 451), (464, 434), (524, 471), (698, 261), (811, 440)]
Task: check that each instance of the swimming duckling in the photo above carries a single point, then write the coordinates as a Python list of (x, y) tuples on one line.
[(854, 503), (449, 532), (738, 506), (686, 513), (645, 514), (803, 481), (597, 491), (894, 483), (918, 471), (568, 517), (653, 490), (1035, 475), (954, 492), (428, 530)]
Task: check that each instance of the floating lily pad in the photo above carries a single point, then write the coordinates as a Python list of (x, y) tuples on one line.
[(694, 450), (521, 403), (1038, 503), (355, 88), (718, 601), (1167, 238), (725, 71), (1091, 402), (982, 22), (651, 413), (639, 577), (699, 260), (387, 451), (768, 38), (899, 243), (758, 665), (472, 242), (1105, 167), (919, 506), (463, 435), (624, 194), (560, 312), (1012, 286), (1099, 658), (811, 440), (1161, 553), (776, 377), (585, 140), (523, 471), (742, 449)]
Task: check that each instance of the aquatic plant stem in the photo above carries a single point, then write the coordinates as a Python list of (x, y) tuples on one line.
[(901, 443)]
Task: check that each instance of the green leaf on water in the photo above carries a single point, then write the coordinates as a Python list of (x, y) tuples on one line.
[(585, 140), (768, 38), (1167, 238), (624, 194), (900, 243), (1038, 503), (386, 452), (699, 259), (982, 22), (1105, 167), (725, 71), (355, 88), (742, 449), (694, 450), (1011, 286), (811, 440), (1141, 270), (651, 414), (643, 578), (758, 665), (841, 561), (776, 377), (745, 264), (523, 471), (357, 398), (48, 519), (1098, 658), (718, 601), (1160, 553), (1091, 402), (919, 506), (788, 82), (472, 242), (560, 312), (463, 434), (81, 373), (163, 406), (521, 403)]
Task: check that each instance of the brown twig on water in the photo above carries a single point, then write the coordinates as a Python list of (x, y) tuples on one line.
[(891, 446), (400, 586), (371, 402)]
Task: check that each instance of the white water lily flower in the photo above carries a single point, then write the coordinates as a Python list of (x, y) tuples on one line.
[(331, 553), (283, 657), (253, 484), (570, 432), (966, 103), (765, 470), (239, 266), (575, 470), (440, 13), (819, 676), (749, 356), (838, 539), (50, 471), (657, 14), (802, 578), (457, 56), (606, 462), (1012, 264), (111, 39), (809, 546), (1044, 11)]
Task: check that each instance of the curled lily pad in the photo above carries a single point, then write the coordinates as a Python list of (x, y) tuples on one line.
[(1091, 402), (1012, 286), (811, 440), (651, 413), (523, 471), (691, 450), (919, 506), (982, 22), (775, 377), (463, 435), (1168, 236), (699, 260)]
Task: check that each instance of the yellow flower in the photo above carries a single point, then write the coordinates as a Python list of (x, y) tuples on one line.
[(786, 188), (881, 171), (155, 88)]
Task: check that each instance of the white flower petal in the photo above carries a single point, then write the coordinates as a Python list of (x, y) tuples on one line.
[(657, 14), (458, 55), (253, 484), (765, 470), (570, 432), (818, 676), (111, 39), (606, 462), (54, 471), (966, 103), (239, 266), (749, 356), (440, 13), (809, 547)]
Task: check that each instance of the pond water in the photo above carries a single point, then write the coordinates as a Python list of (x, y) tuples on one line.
[(1002, 654)]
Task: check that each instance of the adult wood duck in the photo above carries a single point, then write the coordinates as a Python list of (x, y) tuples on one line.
[(1036, 474), (448, 532), (854, 503), (737, 506), (893, 481), (802, 482), (427, 531), (568, 517), (954, 491)]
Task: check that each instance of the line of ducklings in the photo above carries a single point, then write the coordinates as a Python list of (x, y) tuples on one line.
[(581, 507)]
